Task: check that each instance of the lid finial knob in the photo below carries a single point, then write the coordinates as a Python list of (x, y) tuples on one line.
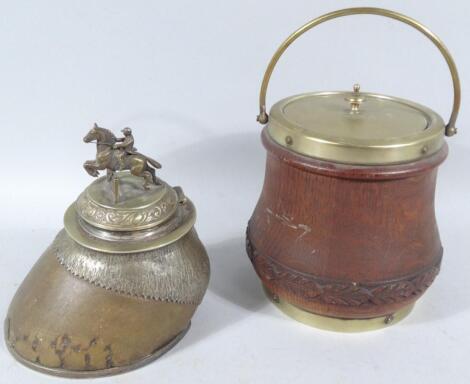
[(115, 154), (355, 99)]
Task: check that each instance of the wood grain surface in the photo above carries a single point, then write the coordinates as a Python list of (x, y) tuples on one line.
[(344, 240)]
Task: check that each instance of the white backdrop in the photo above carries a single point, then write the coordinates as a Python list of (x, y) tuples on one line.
[(185, 76)]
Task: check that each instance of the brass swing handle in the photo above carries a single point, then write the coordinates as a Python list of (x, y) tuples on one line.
[(450, 127)]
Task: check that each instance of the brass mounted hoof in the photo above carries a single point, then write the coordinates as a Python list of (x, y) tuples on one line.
[(118, 286), (108, 371)]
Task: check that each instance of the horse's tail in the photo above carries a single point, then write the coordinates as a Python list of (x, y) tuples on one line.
[(154, 163)]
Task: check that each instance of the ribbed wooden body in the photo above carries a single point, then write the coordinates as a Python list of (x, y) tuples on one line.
[(345, 241)]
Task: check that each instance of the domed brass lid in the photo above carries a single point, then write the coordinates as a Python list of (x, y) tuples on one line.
[(355, 127), (139, 209), (129, 210), (141, 221)]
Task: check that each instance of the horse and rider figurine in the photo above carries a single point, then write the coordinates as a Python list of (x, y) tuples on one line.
[(119, 154)]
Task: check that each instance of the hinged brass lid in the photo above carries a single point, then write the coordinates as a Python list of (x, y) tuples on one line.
[(142, 220), (356, 127), (138, 208)]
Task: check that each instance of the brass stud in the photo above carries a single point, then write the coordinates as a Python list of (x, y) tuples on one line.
[(389, 319), (451, 131), (262, 118), (289, 140), (424, 150)]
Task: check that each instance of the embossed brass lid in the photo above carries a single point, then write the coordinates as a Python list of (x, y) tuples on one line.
[(142, 219), (355, 127), (139, 209)]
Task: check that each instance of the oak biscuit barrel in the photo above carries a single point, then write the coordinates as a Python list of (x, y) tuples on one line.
[(344, 235)]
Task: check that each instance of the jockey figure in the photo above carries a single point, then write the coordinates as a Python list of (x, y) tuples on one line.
[(125, 146)]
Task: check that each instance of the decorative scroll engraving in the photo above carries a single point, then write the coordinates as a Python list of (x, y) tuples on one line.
[(336, 292), (119, 218)]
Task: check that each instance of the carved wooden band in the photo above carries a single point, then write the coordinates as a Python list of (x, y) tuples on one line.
[(337, 292)]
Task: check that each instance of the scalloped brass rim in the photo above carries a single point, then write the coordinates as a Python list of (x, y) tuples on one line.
[(60, 372)]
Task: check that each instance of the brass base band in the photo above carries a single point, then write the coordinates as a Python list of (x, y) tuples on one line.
[(61, 372), (337, 324)]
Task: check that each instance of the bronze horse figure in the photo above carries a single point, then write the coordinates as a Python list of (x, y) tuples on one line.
[(107, 157)]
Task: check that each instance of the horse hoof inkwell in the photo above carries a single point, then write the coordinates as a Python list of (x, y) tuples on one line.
[(120, 283)]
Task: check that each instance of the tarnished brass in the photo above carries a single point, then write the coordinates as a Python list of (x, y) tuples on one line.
[(375, 129), (118, 154), (142, 209), (118, 286), (336, 324), (450, 128)]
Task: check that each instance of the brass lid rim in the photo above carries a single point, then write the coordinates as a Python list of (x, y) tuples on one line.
[(435, 123), (378, 151), (353, 171)]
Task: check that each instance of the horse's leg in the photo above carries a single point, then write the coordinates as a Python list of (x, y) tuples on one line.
[(137, 166), (109, 174), (137, 170), (148, 179), (155, 180), (91, 167)]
